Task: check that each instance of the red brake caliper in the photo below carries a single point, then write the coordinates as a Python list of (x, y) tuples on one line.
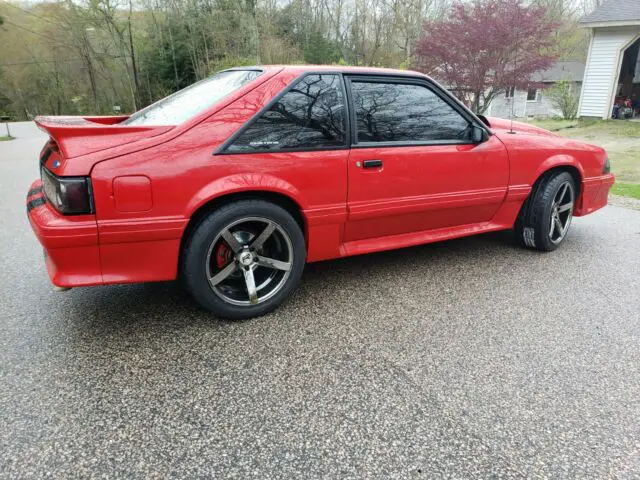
[(223, 256)]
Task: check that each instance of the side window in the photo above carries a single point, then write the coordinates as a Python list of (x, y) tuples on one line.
[(309, 116), (399, 112)]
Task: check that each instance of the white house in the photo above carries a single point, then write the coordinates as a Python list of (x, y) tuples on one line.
[(613, 67), (535, 102)]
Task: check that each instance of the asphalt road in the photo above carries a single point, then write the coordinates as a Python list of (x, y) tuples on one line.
[(469, 358)]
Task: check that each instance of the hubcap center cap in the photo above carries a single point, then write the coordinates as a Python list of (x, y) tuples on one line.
[(246, 258)]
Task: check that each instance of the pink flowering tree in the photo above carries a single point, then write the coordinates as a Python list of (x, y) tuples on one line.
[(485, 47)]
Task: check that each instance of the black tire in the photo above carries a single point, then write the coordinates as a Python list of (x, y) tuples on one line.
[(197, 262), (533, 225)]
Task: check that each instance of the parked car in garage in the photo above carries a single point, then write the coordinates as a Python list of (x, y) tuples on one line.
[(237, 181)]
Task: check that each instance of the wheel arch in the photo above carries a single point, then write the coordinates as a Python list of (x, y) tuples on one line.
[(277, 198), (573, 169), (570, 168), (558, 164)]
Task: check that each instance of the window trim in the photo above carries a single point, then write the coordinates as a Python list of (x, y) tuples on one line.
[(223, 149), (537, 95), (408, 80)]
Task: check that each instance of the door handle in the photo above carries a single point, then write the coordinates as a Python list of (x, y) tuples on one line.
[(372, 163)]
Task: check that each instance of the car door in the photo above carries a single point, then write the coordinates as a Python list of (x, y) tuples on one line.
[(413, 165)]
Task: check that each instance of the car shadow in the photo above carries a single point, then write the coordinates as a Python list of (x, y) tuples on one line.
[(152, 305)]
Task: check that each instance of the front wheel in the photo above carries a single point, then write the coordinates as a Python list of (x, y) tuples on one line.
[(546, 216), (244, 259)]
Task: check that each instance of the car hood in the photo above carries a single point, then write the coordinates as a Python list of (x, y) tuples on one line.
[(77, 136)]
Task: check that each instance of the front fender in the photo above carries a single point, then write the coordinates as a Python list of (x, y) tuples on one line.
[(244, 182)]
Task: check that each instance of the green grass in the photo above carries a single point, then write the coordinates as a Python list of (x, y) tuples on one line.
[(553, 124), (6, 138), (590, 127), (621, 140), (627, 189), (625, 164)]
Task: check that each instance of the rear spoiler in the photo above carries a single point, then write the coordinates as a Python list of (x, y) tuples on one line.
[(77, 136)]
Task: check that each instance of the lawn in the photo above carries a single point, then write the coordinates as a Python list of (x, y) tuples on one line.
[(627, 189), (620, 138), (5, 138)]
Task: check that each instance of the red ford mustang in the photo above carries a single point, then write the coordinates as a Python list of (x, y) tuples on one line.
[(235, 182)]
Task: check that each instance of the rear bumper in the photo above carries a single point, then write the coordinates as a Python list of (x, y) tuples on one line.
[(595, 192), (72, 254)]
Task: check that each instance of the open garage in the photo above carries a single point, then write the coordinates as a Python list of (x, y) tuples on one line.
[(611, 86)]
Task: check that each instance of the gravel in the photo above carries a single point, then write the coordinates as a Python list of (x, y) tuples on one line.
[(626, 202)]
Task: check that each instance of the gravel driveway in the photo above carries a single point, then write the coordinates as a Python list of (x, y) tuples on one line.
[(469, 358)]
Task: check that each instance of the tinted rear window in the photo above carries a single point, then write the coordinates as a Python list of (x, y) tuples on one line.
[(311, 115)]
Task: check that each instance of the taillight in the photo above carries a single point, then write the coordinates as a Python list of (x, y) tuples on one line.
[(68, 195)]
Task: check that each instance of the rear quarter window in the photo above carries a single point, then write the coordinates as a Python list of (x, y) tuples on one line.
[(310, 115)]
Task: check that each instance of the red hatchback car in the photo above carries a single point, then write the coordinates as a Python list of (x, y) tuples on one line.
[(235, 182)]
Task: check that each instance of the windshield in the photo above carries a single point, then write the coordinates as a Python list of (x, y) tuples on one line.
[(194, 99)]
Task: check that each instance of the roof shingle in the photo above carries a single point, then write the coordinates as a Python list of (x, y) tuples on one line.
[(572, 71), (614, 11)]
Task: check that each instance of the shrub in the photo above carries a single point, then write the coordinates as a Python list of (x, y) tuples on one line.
[(565, 97)]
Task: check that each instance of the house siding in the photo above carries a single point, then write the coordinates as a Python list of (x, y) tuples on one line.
[(601, 71), (543, 107)]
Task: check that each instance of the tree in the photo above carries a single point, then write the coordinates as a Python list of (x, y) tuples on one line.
[(319, 50), (565, 98), (485, 47), (88, 56)]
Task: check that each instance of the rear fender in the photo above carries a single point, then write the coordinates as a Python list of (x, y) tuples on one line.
[(246, 182)]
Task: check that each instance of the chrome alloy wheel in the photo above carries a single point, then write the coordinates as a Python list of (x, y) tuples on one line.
[(249, 261), (561, 212)]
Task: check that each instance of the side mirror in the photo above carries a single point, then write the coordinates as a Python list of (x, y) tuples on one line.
[(478, 135)]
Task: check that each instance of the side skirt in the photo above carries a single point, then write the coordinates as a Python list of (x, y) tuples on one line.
[(371, 245)]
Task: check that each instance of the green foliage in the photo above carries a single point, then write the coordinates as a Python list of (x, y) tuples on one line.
[(165, 61), (565, 97), (5, 103), (627, 190), (318, 50), (85, 57), (230, 62)]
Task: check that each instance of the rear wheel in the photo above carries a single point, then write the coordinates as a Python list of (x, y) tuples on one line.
[(244, 259), (546, 217)]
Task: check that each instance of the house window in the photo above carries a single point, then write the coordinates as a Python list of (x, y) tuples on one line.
[(509, 92), (533, 95)]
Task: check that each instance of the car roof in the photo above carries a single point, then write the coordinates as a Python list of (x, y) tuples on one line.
[(333, 68)]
